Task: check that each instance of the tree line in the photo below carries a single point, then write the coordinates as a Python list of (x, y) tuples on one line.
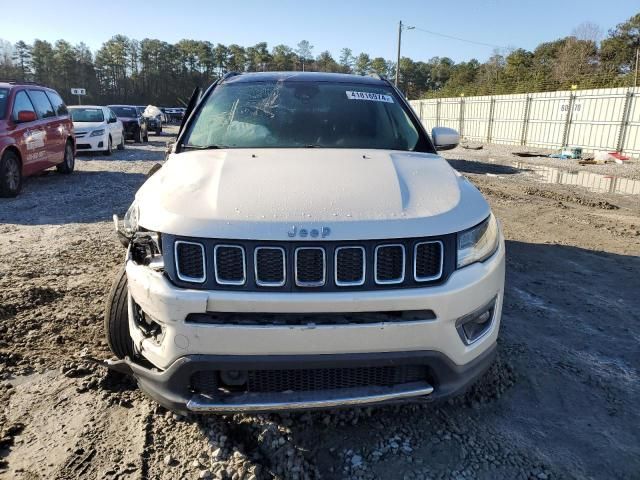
[(126, 70)]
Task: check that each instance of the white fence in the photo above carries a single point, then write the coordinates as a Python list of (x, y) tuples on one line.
[(605, 119)]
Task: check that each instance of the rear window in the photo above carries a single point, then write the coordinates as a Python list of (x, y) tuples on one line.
[(58, 104), (130, 112), (42, 104), (4, 100), (87, 115)]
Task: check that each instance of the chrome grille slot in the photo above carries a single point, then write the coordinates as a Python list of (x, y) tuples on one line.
[(270, 266), (349, 266), (310, 266), (427, 261), (389, 264), (230, 265), (190, 261)]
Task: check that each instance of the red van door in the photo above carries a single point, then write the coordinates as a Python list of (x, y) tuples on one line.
[(30, 134), (53, 139)]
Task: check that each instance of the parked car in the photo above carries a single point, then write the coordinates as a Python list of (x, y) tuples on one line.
[(136, 126), (97, 128), (334, 258), (36, 133), (154, 117), (174, 114)]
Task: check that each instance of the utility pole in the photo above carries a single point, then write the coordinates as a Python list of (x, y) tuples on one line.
[(635, 80), (400, 27)]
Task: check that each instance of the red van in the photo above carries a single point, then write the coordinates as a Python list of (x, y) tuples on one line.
[(36, 133)]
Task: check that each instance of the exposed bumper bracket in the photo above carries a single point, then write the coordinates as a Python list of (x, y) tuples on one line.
[(283, 401)]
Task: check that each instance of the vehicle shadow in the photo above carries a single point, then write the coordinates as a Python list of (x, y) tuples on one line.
[(82, 197), (467, 166), (567, 352)]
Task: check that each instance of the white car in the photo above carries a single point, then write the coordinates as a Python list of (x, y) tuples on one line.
[(97, 129), (304, 246)]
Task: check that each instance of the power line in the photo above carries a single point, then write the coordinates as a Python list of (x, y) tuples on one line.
[(459, 39)]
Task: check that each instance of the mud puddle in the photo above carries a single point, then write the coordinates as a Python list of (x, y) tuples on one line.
[(594, 182)]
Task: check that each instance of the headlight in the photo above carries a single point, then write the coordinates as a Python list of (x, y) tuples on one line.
[(97, 133), (130, 220), (478, 243)]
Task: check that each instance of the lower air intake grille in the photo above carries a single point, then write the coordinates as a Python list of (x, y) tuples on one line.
[(190, 261), (332, 378)]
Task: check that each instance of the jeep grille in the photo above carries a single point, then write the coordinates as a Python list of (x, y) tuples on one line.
[(310, 266)]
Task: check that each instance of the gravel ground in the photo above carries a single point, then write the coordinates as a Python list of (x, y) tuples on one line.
[(560, 402)]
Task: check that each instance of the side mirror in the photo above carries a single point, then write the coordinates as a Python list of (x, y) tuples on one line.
[(445, 138), (113, 120), (26, 116)]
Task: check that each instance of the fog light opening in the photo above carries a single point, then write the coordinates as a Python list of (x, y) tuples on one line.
[(475, 325), (233, 378)]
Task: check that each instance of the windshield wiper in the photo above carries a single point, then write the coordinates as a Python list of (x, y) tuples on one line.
[(203, 147)]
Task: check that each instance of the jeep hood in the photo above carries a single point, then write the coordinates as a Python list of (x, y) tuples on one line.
[(263, 193)]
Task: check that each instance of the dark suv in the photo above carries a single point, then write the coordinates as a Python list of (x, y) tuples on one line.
[(36, 133), (136, 126)]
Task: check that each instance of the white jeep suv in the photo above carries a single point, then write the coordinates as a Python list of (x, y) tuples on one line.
[(304, 246)]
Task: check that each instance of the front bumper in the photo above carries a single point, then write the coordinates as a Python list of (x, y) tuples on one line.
[(92, 144), (185, 347), (171, 387)]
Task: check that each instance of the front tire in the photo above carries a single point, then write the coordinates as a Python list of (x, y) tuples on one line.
[(146, 136), (69, 162), (10, 175), (138, 137), (121, 144), (109, 149), (116, 317)]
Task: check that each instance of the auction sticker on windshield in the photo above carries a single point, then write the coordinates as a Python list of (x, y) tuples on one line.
[(373, 97)]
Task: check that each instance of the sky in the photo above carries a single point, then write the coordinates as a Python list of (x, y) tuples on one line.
[(364, 26)]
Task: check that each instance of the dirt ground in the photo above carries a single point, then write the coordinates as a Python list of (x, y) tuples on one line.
[(560, 402)]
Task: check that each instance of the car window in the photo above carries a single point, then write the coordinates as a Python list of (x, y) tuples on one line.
[(303, 114), (4, 99), (58, 104), (126, 112), (87, 114), (21, 103), (42, 104)]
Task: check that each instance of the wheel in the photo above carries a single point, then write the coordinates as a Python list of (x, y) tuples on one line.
[(109, 147), (10, 175), (138, 136), (116, 317), (69, 161), (159, 131), (121, 144), (146, 137)]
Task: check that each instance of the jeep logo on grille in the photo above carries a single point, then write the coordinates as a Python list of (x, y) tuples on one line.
[(322, 232)]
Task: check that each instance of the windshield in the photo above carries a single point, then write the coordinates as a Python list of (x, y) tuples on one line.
[(293, 114), (87, 115), (125, 111), (4, 97)]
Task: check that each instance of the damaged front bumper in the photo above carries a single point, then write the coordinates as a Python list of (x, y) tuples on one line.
[(172, 387)]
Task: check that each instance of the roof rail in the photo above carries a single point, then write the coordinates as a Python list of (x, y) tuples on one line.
[(19, 82)]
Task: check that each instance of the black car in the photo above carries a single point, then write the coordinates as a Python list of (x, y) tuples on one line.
[(136, 126), (155, 123)]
